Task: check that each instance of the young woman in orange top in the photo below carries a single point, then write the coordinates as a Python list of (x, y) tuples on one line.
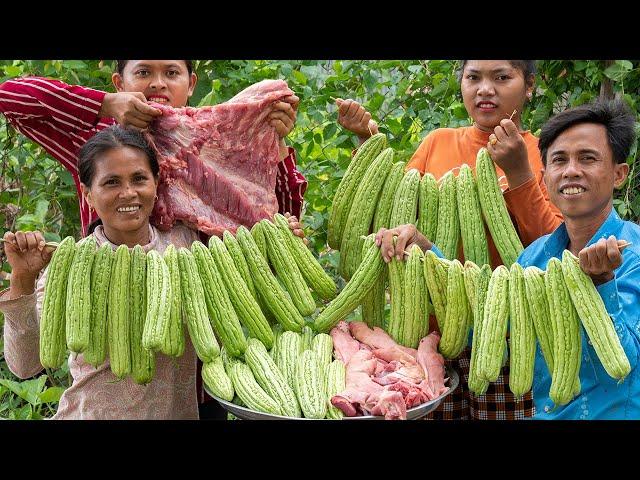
[(491, 91)]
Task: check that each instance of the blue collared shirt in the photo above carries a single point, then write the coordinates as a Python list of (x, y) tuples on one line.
[(601, 396)]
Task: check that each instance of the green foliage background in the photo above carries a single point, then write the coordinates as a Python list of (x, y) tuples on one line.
[(407, 98)]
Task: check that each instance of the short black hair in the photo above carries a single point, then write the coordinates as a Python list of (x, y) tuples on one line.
[(527, 67), (110, 138), (120, 64), (614, 115)]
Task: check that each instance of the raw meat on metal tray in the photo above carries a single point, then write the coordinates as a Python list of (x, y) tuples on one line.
[(218, 164), (433, 365), (391, 405), (363, 395), (399, 369), (376, 337), (344, 345), (358, 384), (412, 394), (382, 377)]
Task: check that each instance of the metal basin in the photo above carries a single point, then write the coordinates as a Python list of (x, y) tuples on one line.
[(412, 414)]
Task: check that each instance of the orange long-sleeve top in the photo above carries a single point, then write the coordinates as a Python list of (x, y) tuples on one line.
[(531, 211)]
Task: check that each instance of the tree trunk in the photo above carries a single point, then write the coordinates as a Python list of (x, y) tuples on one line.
[(606, 87)]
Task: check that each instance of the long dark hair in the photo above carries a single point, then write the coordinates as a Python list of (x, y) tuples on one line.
[(105, 140)]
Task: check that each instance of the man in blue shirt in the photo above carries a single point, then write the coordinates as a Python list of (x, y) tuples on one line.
[(584, 150)]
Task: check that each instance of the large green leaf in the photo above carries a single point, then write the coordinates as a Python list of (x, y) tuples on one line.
[(618, 70), (74, 64), (51, 395), (28, 390)]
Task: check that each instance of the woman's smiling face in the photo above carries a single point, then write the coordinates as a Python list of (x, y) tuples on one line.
[(123, 190), (492, 90)]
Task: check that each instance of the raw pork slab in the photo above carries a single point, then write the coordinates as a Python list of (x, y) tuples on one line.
[(218, 164)]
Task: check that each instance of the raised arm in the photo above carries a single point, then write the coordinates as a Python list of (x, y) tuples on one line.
[(22, 302), (58, 116), (527, 197), (290, 183)]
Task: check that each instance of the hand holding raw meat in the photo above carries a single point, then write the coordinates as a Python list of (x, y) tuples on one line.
[(283, 115), (130, 109)]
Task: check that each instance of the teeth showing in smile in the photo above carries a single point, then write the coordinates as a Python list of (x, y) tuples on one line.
[(572, 190), (486, 105), (128, 209), (158, 99)]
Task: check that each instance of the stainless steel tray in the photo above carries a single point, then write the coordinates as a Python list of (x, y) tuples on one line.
[(412, 414)]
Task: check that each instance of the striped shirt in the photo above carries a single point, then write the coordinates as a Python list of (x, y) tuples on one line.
[(61, 118)]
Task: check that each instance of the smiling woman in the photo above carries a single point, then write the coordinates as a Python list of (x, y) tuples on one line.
[(119, 177), (493, 90), (62, 117), (121, 185)]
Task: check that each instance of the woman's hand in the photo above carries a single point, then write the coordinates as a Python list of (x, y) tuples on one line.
[(283, 115), (353, 117), (296, 227), (27, 254), (601, 259), (408, 235), (129, 109), (509, 151)]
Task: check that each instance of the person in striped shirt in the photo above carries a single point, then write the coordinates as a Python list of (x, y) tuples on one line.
[(62, 117)]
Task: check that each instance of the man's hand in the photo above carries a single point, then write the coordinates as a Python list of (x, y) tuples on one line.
[(283, 115), (129, 109), (509, 151), (407, 236), (296, 227), (353, 117), (601, 259)]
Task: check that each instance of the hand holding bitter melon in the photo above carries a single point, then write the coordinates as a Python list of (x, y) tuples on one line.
[(85, 288), (601, 259), (454, 211), (514, 298), (215, 296), (353, 117), (405, 237), (27, 254), (594, 288), (296, 227), (147, 298)]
